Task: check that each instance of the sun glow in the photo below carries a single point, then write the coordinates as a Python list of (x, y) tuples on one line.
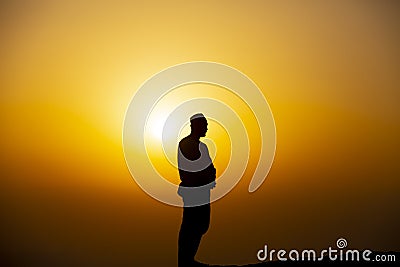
[(154, 128), (156, 124)]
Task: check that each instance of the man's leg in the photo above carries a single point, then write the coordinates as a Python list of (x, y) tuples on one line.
[(189, 238), (203, 218), (195, 223), (187, 249)]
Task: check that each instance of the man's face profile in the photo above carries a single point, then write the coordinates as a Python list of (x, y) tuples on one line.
[(199, 126)]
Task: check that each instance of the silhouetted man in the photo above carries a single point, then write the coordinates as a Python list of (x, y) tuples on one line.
[(197, 174)]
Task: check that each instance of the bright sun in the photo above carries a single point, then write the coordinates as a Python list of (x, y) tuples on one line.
[(156, 123)]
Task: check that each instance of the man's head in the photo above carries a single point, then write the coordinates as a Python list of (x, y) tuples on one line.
[(198, 125)]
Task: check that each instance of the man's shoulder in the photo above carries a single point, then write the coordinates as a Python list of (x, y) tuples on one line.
[(188, 141), (184, 141)]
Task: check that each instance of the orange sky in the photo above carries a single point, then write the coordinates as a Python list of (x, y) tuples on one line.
[(69, 69)]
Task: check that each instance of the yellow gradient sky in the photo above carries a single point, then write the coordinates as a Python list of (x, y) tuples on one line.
[(68, 70)]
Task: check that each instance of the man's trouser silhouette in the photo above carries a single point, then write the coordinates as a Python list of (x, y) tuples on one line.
[(195, 223)]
